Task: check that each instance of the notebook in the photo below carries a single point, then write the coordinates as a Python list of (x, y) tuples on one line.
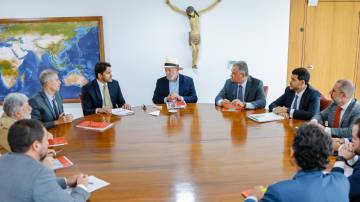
[(265, 117), (122, 112), (94, 125), (61, 162)]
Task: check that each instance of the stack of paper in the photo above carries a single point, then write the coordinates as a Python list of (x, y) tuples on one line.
[(61, 162), (265, 117), (155, 113), (94, 125), (93, 185), (176, 105), (57, 141), (121, 112)]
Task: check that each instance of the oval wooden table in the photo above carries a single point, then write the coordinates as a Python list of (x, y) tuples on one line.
[(197, 154)]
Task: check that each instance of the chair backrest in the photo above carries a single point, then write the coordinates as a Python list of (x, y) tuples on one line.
[(266, 90), (324, 102)]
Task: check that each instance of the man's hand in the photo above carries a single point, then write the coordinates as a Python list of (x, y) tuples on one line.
[(68, 118), (126, 106), (279, 110), (238, 104), (347, 151), (72, 180), (48, 162), (106, 110), (82, 179), (284, 114), (257, 192), (337, 142)]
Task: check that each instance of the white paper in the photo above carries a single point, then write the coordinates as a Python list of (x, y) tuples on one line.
[(265, 117), (93, 185), (155, 113), (122, 112), (96, 183)]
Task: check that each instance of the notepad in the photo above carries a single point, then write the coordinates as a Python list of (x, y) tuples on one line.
[(93, 185), (57, 141), (155, 113), (176, 105), (94, 125), (61, 162), (122, 112), (265, 117)]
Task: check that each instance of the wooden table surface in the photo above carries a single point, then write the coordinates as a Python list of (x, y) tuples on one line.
[(197, 154)]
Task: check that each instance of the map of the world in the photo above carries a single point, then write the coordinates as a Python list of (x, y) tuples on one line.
[(26, 49)]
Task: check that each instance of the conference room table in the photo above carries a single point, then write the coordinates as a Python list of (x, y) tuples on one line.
[(199, 153)]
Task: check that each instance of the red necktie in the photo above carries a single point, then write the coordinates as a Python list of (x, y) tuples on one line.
[(337, 117)]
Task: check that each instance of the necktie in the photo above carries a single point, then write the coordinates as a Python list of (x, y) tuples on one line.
[(239, 94), (107, 99), (337, 117), (295, 102), (55, 108)]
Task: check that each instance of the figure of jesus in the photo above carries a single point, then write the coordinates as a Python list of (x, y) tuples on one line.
[(194, 34)]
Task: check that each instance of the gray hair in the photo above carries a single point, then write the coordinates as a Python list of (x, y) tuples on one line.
[(242, 66), (347, 87), (46, 75), (13, 102)]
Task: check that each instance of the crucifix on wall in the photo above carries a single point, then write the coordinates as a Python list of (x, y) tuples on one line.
[(194, 34)]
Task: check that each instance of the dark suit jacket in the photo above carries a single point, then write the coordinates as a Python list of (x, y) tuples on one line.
[(350, 116), (310, 186), (354, 180), (186, 89), (254, 92), (92, 99), (42, 109), (309, 103)]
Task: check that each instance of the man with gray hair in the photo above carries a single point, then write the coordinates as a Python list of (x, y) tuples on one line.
[(16, 107), (241, 91), (47, 104), (340, 116)]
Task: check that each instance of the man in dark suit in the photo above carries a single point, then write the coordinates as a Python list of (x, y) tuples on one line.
[(103, 93), (47, 105), (339, 117), (300, 100), (174, 86), (348, 154), (24, 178), (242, 90), (311, 149)]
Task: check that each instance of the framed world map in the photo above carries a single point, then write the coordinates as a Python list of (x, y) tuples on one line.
[(71, 46)]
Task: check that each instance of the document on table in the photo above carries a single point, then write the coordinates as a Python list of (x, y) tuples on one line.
[(265, 117), (155, 113), (122, 112), (93, 185)]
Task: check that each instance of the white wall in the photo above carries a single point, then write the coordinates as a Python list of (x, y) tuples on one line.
[(140, 34)]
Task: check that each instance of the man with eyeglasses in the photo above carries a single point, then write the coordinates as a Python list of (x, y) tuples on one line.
[(340, 116)]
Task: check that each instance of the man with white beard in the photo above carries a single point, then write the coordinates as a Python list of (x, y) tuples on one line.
[(16, 107)]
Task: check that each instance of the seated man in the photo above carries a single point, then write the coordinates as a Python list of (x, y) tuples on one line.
[(103, 93), (16, 107), (174, 86), (338, 118), (47, 105), (300, 100), (242, 91), (24, 178), (311, 149), (348, 154)]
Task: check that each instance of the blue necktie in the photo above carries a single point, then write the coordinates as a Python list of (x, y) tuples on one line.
[(295, 102), (55, 109), (240, 93)]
